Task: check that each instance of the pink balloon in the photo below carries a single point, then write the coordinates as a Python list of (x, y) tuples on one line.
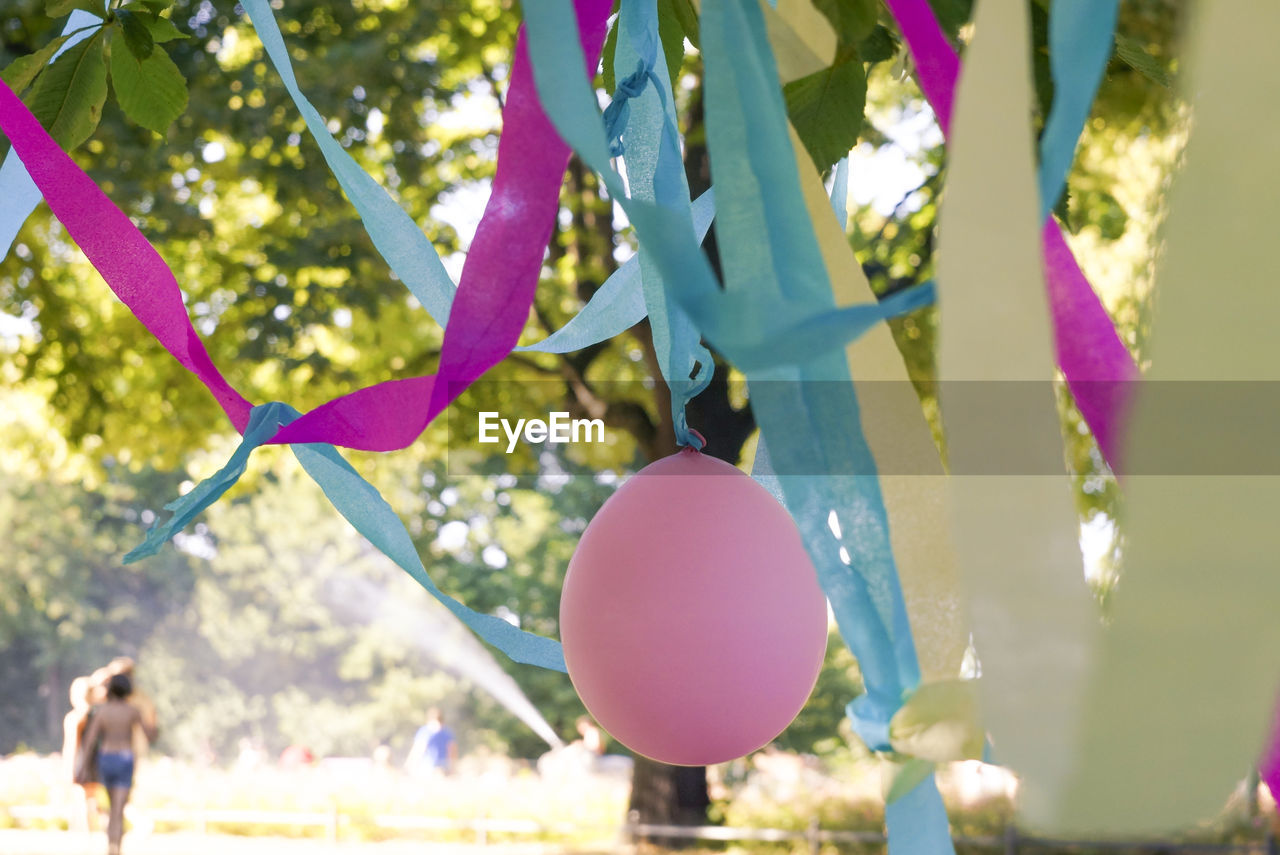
[(692, 621)]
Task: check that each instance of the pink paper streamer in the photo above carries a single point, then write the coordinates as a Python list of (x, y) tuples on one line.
[(108, 238), (1099, 369), (1269, 768), (493, 301), (498, 278)]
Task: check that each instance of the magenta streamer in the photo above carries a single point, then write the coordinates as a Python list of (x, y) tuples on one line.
[(1269, 768), (492, 305), (111, 242), (1099, 369)]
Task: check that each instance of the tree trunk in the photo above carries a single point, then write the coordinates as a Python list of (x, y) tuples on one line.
[(677, 795)]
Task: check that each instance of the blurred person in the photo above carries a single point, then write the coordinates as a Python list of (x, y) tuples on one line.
[(434, 747), (80, 758), (250, 756), (296, 757), (111, 730), (592, 735), (140, 699)]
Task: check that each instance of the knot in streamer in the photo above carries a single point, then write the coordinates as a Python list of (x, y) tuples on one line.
[(619, 110)]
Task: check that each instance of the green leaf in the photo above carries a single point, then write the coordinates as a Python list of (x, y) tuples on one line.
[(161, 29), (69, 95), (671, 32), (157, 6), (610, 79), (22, 72), (878, 46), (687, 15), (1133, 54), (853, 20), (137, 38), (952, 15), (826, 108), (152, 92), (58, 8)]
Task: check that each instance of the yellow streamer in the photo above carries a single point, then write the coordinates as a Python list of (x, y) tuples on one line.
[(1187, 675), (1017, 535)]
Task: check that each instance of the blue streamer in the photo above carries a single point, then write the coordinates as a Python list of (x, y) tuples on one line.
[(619, 304), (656, 173), (393, 232), (366, 510), (16, 187), (1081, 33)]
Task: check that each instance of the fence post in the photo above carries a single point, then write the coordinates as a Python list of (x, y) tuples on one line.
[(1011, 839), (815, 842)]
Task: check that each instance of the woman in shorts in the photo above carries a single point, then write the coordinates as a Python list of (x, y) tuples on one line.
[(111, 728)]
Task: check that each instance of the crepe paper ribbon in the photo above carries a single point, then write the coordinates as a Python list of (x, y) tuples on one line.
[(618, 112), (393, 232), (114, 246), (20, 194), (1081, 35), (655, 173), (1098, 367), (802, 38), (809, 424), (498, 280), (1184, 689), (366, 510), (619, 304), (1017, 536), (1269, 769), (831, 330), (940, 723), (840, 193), (896, 430)]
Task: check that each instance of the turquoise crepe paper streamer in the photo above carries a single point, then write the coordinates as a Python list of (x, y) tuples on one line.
[(809, 414), (366, 510), (654, 172), (1081, 33), (619, 304), (264, 421), (840, 193), (832, 330), (16, 187), (393, 232), (906, 830)]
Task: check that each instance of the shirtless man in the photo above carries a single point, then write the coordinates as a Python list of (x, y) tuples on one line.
[(114, 722)]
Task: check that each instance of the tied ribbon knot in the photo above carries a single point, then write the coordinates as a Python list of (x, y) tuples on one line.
[(618, 112)]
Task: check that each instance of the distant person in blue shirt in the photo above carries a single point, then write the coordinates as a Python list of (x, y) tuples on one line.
[(434, 747)]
